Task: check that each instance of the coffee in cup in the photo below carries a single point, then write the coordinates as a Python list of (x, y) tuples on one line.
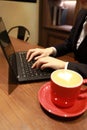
[(65, 87)]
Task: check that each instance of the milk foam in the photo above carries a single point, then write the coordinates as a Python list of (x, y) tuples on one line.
[(67, 78)]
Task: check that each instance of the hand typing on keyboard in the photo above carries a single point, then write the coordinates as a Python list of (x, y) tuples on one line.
[(38, 53), (32, 74), (49, 62), (43, 59)]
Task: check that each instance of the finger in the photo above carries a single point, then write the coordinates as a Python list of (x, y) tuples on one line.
[(33, 54), (38, 57), (29, 53), (38, 64), (34, 65), (46, 65)]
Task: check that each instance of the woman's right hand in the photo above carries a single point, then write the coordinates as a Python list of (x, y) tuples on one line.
[(49, 62), (38, 53)]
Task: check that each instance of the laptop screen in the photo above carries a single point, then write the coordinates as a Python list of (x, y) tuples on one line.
[(6, 45)]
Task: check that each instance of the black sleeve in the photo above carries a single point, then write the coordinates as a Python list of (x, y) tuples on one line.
[(63, 49), (78, 67)]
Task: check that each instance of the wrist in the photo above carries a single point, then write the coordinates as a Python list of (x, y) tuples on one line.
[(66, 65)]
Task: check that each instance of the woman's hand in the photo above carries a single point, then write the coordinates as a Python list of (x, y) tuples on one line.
[(38, 53), (49, 62)]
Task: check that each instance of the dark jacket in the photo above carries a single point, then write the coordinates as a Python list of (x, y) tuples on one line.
[(70, 46)]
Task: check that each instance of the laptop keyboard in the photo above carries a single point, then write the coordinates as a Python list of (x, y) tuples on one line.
[(29, 73)]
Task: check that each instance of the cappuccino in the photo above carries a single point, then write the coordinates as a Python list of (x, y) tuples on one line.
[(66, 78)]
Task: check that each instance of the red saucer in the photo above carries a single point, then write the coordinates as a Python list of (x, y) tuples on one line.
[(44, 96)]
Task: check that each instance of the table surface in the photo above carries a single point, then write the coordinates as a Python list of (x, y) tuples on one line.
[(21, 110)]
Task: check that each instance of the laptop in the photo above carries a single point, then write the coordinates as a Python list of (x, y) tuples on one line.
[(17, 60)]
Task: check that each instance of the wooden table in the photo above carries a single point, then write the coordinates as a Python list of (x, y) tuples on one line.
[(21, 110)]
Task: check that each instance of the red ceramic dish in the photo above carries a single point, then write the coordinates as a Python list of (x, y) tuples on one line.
[(44, 96)]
